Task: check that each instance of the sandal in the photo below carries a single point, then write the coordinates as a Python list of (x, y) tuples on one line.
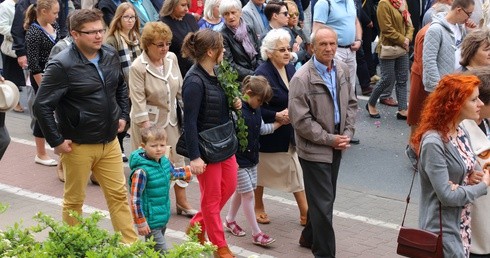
[(262, 239), (18, 109), (234, 228), (262, 217)]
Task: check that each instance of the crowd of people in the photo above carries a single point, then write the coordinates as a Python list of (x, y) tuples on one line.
[(298, 62)]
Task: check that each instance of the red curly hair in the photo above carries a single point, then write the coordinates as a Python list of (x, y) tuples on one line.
[(443, 106)]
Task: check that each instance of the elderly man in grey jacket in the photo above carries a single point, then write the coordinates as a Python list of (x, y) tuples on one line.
[(322, 110)]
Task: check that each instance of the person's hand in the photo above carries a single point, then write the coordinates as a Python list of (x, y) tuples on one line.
[(299, 40), (470, 24), (283, 117), (22, 61), (122, 125), (355, 46), (486, 177), (237, 103), (475, 177), (145, 124), (64, 147), (453, 186), (2, 79), (295, 47), (341, 142), (197, 166), (406, 44), (144, 231)]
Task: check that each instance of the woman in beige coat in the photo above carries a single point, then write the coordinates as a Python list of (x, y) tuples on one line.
[(155, 85)]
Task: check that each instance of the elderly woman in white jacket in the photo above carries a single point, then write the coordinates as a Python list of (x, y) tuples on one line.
[(155, 86)]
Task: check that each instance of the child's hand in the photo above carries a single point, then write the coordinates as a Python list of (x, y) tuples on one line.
[(143, 231), (237, 103)]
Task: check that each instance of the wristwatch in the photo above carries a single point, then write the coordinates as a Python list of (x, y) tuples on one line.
[(360, 40)]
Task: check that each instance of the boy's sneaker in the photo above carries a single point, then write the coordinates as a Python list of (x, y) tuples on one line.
[(234, 228), (262, 239), (124, 158)]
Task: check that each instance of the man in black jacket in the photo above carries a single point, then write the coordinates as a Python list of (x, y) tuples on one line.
[(85, 85)]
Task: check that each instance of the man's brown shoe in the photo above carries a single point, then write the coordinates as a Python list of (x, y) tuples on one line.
[(389, 102)]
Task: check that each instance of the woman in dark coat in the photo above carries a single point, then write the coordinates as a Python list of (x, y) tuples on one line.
[(279, 165)]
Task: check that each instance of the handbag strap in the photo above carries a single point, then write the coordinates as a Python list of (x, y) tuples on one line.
[(408, 201)]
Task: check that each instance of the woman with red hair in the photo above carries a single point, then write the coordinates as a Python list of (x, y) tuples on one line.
[(446, 161)]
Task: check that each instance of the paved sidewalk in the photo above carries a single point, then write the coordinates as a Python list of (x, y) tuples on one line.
[(366, 225)]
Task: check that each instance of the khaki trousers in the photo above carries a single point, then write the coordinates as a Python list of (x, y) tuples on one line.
[(105, 162)]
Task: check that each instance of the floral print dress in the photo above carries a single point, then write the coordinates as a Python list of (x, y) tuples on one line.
[(462, 144)]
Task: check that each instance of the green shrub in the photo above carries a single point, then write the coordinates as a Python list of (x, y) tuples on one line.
[(86, 240)]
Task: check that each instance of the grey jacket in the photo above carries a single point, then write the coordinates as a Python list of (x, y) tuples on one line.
[(252, 18), (311, 111), (440, 163), (438, 52)]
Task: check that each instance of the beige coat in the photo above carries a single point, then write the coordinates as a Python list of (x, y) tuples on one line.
[(154, 97)]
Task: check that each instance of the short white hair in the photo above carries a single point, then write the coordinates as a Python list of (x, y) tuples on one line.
[(208, 8), (270, 41), (229, 5)]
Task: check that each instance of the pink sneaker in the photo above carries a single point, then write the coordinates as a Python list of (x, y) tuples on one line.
[(262, 239), (234, 228)]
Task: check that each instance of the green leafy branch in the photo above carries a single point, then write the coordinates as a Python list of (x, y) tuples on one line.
[(228, 76)]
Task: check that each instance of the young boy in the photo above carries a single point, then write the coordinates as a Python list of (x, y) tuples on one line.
[(151, 172)]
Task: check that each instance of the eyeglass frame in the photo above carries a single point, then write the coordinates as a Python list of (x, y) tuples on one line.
[(283, 50), (286, 13), (93, 32), (128, 18), (165, 44), (469, 14), (295, 14)]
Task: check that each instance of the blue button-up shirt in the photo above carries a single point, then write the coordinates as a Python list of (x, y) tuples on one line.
[(260, 9), (329, 76)]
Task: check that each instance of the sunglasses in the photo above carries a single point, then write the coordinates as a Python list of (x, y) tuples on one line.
[(292, 15), (282, 50)]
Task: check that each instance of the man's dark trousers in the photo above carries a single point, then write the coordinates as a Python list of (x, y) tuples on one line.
[(320, 185)]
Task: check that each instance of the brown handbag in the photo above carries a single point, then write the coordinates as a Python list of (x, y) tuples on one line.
[(419, 243)]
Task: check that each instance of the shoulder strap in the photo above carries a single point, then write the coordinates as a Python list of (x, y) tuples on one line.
[(408, 201)]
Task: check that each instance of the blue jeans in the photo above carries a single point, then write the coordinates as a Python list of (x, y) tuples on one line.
[(159, 238)]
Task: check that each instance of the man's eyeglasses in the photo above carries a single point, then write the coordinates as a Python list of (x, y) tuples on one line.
[(93, 32), (285, 13), (467, 13), (282, 50), (162, 45), (129, 18), (292, 15)]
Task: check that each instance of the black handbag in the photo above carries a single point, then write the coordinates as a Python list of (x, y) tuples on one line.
[(215, 144), (419, 243)]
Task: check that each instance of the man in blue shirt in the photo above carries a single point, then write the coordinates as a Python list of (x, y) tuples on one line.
[(253, 15), (341, 15)]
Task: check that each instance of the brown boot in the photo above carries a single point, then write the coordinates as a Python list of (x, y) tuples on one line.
[(223, 252), (302, 205)]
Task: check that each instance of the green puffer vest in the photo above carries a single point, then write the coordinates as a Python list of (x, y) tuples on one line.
[(155, 200)]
